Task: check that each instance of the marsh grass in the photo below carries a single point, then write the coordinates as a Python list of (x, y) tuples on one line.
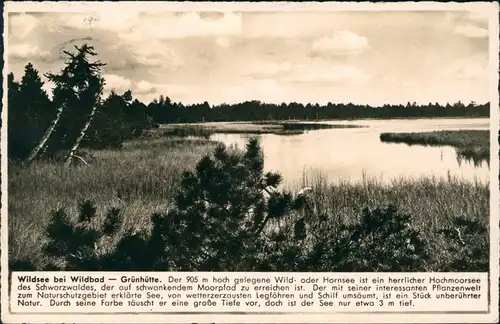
[(471, 145), (145, 175), (140, 179), (224, 127), (435, 204), (432, 201), (292, 126), (264, 127), (187, 131)]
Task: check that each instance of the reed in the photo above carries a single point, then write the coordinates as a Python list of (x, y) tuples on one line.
[(144, 177)]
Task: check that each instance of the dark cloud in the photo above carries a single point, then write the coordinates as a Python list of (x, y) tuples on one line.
[(70, 45)]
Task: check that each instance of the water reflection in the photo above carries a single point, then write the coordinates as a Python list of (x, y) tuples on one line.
[(478, 162), (353, 153)]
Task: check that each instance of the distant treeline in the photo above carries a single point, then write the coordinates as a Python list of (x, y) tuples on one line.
[(165, 111), (78, 116)]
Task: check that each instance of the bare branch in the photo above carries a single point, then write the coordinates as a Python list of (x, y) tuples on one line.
[(81, 159)]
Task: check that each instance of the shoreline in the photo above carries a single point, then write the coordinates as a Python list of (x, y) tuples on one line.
[(276, 127), (326, 120), (470, 144)]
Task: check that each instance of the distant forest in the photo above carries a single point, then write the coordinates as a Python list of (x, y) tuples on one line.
[(79, 117), (165, 111)]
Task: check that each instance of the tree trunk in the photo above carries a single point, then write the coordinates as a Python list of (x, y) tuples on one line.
[(72, 152), (45, 137)]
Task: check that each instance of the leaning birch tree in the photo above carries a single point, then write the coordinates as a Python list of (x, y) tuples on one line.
[(43, 141), (79, 88), (84, 129)]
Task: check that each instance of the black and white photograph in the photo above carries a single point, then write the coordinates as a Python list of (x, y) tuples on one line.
[(153, 139)]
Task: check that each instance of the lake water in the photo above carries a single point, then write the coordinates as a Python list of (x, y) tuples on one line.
[(351, 153)]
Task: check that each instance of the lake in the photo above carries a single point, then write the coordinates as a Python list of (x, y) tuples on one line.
[(352, 153)]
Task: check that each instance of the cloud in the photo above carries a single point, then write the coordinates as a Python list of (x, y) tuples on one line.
[(472, 70), (264, 69), (120, 21), (392, 81), (20, 25), (165, 25), (48, 87), (144, 88), (116, 82), (297, 56), (471, 31), (145, 59), (121, 84), (109, 20), (341, 43), (267, 90), (26, 51), (409, 84), (155, 54), (295, 24), (479, 16), (324, 73), (223, 42), (132, 25)]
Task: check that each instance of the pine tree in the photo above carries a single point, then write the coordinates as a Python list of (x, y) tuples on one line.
[(37, 104), (43, 141), (16, 147), (78, 87), (108, 127), (30, 113)]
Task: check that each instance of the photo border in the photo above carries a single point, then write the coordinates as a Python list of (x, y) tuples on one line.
[(334, 317)]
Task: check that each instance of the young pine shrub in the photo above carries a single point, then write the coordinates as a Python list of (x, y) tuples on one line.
[(383, 240), (221, 217), (286, 247), (467, 246), (75, 246)]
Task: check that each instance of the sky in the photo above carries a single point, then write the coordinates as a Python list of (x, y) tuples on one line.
[(310, 57)]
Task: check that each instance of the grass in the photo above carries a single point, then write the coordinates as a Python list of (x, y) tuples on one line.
[(227, 128), (144, 178), (141, 178), (470, 144), (432, 201), (263, 127), (187, 131)]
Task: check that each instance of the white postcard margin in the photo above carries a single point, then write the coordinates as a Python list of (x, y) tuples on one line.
[(489, 8)]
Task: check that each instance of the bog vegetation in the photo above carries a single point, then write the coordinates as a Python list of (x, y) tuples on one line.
[(91, 189), (470, 144)]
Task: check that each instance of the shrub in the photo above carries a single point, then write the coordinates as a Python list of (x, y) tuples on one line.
[(467, 247), (383, 240), (221, 215), (75, 246)]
